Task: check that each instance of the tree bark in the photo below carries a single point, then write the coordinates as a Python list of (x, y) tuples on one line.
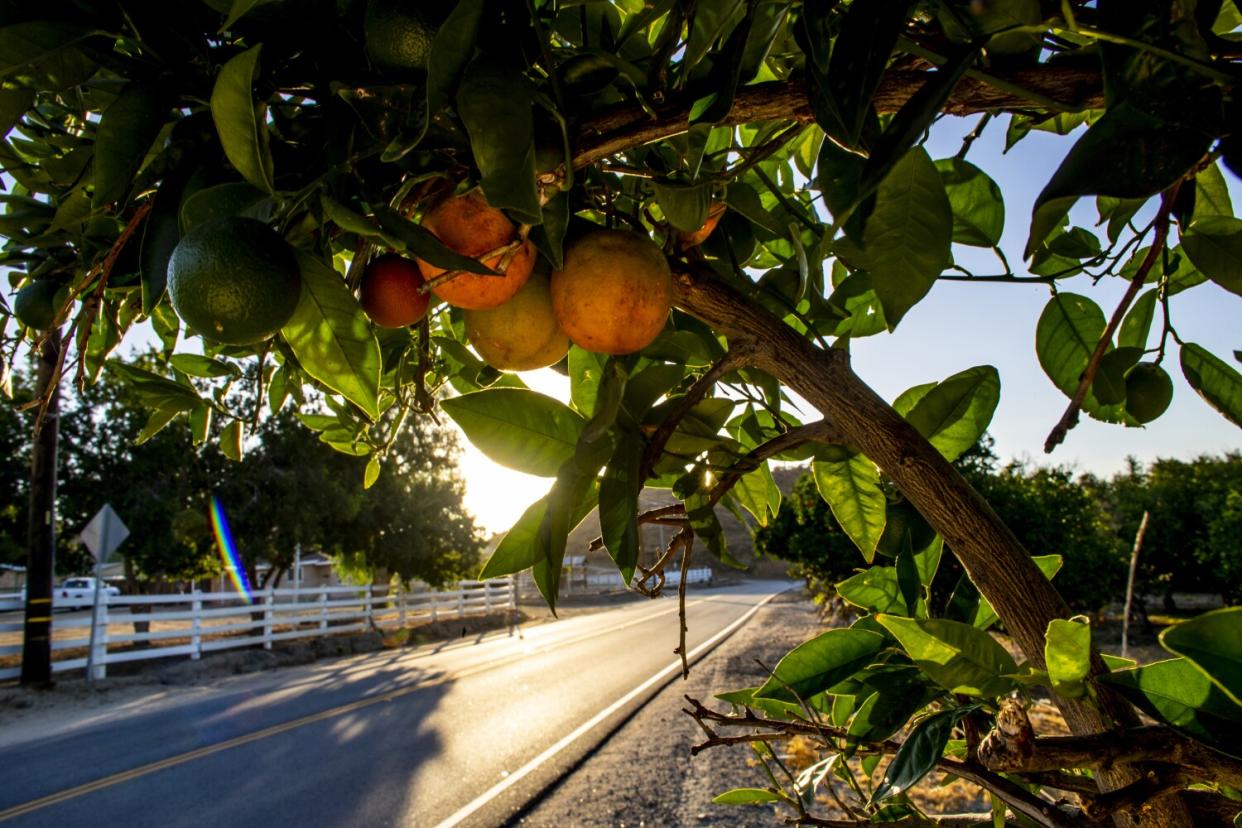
[(989, 552), (41, 527), (1071, 87)]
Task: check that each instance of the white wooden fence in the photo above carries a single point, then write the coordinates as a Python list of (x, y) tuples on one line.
[(200, 622)]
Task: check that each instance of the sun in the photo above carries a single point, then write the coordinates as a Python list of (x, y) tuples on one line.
[(496, 496)]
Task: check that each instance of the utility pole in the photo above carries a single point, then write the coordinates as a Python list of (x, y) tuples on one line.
[(41, 529)]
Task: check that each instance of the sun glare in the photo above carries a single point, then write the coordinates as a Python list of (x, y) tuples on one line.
[(496, 496)]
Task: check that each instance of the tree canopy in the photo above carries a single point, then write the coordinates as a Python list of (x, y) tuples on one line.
[(127, 125)]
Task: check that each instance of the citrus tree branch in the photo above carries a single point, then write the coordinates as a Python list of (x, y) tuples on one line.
[(992, 556), (630, 125)]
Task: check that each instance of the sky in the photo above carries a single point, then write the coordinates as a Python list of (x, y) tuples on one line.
[(958, 326)]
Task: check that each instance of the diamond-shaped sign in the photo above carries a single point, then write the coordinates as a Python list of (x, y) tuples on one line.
[(104, 533)]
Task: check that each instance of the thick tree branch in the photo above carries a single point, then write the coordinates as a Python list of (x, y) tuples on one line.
[(989, 552), (630, 125)]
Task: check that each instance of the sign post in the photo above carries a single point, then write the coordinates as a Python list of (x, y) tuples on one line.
[(102, 536)]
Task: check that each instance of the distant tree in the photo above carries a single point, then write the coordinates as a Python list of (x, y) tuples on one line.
[(162, 498), (1053, 513), (1187, 546)]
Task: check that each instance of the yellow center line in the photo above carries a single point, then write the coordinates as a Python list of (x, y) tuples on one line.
[(274, 730)]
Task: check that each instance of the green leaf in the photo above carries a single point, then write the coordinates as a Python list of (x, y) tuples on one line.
[(521, 429), (820, 663), (851, 488), (1136, 327), (332, 338), (618, 504), (231, 440), (240, 9), (241, 121), (43, 55), (1215, 380), (954, 415), (1214, 245), (200, 366), (495, 101), (1181, 695), (236, 198), (1109, 386), (1127, 153), (919, 753), (423, 243), (586, 371), (127, 128), (1065, 337), (549, 236), (159, 238), (13, 105), (371, 473), (841, 96), (907, 239), (874, 589), (1067, 651), (155, 391), (522, 547), (957, 656), (746, 796), (976, 200), (156, 422), (1213, 643), (451, 50), (685, 206)]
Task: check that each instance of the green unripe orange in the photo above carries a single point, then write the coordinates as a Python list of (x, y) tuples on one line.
[(234, 280)]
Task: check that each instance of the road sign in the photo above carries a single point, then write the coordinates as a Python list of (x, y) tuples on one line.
[(104, 533)]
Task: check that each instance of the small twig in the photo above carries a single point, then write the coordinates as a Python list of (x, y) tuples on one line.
[(681, 604), (738, 354), (973, 136), (1070, 418), (820, 431), (506, 254)]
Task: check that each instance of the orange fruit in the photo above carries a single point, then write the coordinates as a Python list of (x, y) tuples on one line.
[(685, 241), (467, 225), (522, 334), (614, 293), (390, 292)]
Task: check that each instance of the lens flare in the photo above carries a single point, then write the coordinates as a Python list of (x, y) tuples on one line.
[(228, 551)]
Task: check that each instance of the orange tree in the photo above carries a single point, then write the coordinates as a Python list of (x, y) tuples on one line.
[(326, 130)]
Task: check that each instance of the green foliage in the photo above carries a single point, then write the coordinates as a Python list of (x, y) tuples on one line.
[(122, 125)]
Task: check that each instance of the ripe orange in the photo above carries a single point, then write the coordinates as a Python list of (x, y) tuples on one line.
[(467, 225), (614, 293), (390, 292), (522, 334)]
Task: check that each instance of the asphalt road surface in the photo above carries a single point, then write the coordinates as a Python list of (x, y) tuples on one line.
[(463, 733)]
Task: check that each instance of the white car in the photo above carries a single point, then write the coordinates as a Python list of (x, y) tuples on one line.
[(79, 593)]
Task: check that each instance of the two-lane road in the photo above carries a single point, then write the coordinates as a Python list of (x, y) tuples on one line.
[(463, 733)]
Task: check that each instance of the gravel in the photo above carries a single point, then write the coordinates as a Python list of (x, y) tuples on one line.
[(644, 774)]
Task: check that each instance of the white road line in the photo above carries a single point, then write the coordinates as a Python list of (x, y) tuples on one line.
[(512, 779)]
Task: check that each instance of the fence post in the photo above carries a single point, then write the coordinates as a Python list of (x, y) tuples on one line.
[(401, 604), (461, 601), (512, 592), (196, 626), (368, 604), (323, 610), (435, 603), (267, 620), (487, 597), (99, 649)]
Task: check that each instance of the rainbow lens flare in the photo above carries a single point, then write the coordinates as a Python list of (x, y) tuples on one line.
[(228, 551)]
